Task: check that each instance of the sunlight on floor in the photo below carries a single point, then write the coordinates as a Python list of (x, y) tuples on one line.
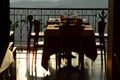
[(94, 69), (22, 64)]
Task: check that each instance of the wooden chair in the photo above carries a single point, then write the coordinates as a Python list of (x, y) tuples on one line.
[(35, 41), (35, 35), (68, 30), (101, 37)]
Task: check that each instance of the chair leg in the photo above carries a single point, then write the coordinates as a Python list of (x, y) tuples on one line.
[(28, 61), (58, 61), (101, 57), (34, 61), (81, 61), (105, 57), (103, 53)]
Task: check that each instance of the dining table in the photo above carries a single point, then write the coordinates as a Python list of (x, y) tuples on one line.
[(53, 42)]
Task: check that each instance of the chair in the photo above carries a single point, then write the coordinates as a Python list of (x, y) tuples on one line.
[(70, 43), (35, 41), (35, 34), (100, 44)]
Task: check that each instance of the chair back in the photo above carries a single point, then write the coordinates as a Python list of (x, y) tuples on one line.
[(101, 29), (30, 20), (71, 34), (71, 27), (36, 26)]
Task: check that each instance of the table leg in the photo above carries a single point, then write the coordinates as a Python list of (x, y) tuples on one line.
[(81, 61), (69, 66)]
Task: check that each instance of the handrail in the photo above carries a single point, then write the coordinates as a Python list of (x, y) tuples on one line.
[(18, 16)]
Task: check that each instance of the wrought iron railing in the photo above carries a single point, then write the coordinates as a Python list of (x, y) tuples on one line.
[(18, 18)]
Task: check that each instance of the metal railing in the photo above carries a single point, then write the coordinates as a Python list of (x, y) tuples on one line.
[(18, 18)]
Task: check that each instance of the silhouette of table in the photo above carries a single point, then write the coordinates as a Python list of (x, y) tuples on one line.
[(52, 43)]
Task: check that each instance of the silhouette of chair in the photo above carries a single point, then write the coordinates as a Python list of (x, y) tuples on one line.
[(35, 41), (34, 34), (70, 42), (101, 41)]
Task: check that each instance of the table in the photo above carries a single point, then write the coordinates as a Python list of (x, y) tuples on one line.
[(52, 43)]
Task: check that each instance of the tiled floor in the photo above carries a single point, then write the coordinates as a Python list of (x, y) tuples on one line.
[(93, 70)]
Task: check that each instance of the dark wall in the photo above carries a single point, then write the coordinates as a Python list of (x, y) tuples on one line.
[(116, 25), (116, 41), (4, 27)]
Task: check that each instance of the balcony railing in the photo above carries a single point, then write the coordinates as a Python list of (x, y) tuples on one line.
[(18, 18)]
